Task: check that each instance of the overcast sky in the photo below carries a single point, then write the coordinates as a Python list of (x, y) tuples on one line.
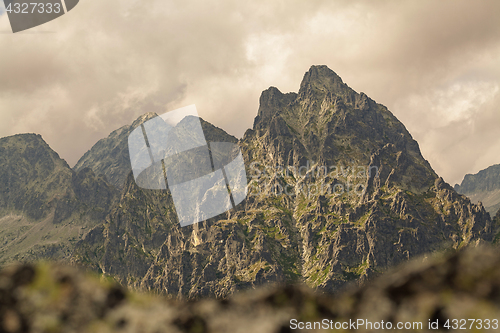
[(434, 64)]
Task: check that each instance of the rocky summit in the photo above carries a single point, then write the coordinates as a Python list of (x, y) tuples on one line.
[(338, 193)]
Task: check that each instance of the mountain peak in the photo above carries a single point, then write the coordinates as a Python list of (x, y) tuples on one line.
[(110, 155), (25, 137), (27, 144), (143, 118), (272, 100), (321, 78), (318, 81), (330, 122)]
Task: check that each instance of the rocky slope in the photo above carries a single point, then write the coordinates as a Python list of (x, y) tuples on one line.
[(339, 192), (45, 207), (437, 289), (483, 187)]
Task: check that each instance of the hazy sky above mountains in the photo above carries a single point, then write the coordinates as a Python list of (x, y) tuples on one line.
[(434, 64)]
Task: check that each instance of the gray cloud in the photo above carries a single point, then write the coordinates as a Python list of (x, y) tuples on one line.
[(434, 64)]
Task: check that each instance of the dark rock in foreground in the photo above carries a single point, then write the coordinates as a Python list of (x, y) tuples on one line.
[(458, 285)]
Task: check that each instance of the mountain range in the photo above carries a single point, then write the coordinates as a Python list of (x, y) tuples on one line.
[(338, 193)]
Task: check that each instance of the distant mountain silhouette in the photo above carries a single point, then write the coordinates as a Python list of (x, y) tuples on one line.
[(483, 187)]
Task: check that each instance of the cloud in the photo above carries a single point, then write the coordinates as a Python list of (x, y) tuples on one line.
[(434, 64), (456, 126)]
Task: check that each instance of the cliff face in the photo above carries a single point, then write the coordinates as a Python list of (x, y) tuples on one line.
[(45, 207), (338, 192), (483, 187)]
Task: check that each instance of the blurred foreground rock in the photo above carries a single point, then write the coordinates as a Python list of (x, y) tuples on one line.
[(56, 298)]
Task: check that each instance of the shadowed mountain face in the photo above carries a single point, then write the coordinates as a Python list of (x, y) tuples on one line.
[(338, 192), (45, 207), (483, 187)]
